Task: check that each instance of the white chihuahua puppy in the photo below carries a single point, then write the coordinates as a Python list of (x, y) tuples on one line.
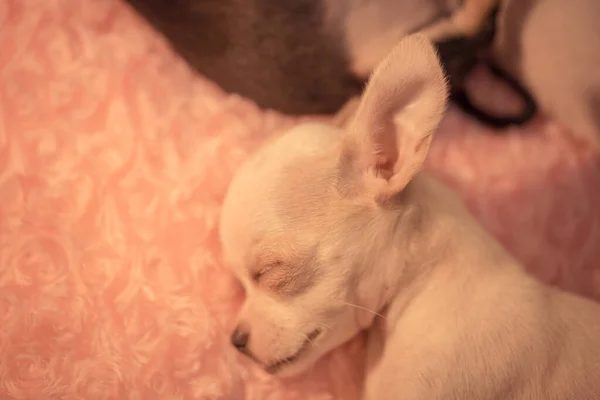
[(332, 232)]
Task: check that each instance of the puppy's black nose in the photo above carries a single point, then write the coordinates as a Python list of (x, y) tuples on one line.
[(239, 338)]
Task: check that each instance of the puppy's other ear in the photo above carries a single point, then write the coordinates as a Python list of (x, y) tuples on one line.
[(403, 104)]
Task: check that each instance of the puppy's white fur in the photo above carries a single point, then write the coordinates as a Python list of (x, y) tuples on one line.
[(336, 231)]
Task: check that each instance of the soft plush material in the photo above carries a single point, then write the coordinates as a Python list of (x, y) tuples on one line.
[(114, 159)]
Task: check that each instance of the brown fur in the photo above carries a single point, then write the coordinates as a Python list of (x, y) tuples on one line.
[(281, 54)]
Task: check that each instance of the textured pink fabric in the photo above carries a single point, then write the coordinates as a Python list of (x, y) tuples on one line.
[(114, 159)]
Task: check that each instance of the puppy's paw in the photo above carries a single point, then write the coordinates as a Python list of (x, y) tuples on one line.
[(468, 21), (458, 26)]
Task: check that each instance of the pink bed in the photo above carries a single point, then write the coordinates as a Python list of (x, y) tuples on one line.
[(114, 159)]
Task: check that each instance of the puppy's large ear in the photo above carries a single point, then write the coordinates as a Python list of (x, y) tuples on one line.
[(404, 101)]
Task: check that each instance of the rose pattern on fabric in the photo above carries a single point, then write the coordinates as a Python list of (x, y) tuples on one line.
[(114, 160)]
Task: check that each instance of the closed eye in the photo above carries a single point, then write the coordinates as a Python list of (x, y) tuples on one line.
[(261, 273), (284, 279)]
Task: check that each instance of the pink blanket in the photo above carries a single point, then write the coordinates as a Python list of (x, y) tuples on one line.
[(114, 159)]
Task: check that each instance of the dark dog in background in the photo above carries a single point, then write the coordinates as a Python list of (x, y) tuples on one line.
[(280, 54), (311, 56)]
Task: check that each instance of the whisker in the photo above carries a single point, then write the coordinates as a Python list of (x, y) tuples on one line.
[(361, 308), (326, 326), (303, 336)]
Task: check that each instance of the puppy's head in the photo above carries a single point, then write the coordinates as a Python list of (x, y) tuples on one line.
[(310, 222)]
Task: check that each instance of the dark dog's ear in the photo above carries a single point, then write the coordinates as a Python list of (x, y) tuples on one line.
[(402, 106)]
